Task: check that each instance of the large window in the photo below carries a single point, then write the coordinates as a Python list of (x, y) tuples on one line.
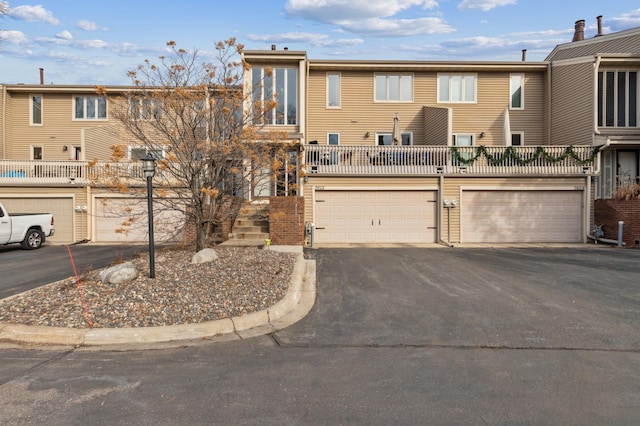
[(90, 107), (145, 109), (36, 110), (618, 98), (387, 138), (333, 90), (279, 85), (456, 88), (516, 90), (393, 88)]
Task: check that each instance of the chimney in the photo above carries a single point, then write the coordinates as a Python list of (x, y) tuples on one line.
[(579, 33), (41, 76), (524, 55), (273, 47), (599, 18)]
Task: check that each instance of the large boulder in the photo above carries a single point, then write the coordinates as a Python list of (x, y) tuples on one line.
[(205, 256), (119, 274)]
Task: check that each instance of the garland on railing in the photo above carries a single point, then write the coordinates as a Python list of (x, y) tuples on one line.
[(510, 153)]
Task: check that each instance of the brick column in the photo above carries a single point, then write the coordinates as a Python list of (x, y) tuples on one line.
[(286, 220)]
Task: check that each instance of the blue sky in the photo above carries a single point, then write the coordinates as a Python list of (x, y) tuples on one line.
[(87, 42)]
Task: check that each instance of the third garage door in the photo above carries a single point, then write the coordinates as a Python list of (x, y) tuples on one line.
[(375, 216), (521, 216)]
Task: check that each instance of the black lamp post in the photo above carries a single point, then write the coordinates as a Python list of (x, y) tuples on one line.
[(149, 168)]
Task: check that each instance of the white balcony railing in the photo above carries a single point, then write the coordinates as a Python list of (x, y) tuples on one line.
[(425, 160)]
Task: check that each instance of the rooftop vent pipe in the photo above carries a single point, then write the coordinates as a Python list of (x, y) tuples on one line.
[(273, 47), (524, 55), (41, 76), (599, 18), (578, 35)]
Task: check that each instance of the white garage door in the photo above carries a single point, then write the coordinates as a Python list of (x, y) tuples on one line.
[(60, 208), (125, 220), (521, 216), (375, 217)]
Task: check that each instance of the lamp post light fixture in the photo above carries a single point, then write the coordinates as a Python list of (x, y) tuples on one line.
[(149, 168)]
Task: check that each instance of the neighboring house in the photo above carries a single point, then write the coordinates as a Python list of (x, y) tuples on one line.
[(390, 151), (595, 101), (49, 136)]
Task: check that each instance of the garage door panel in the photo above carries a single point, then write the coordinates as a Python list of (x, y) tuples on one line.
[(375, 216), (521, 216), (125, 220), (60, 207)]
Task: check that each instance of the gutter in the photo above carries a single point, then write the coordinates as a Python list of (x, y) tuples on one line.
[(596, 67)]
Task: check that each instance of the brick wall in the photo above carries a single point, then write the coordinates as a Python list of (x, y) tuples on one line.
[(286, 220), (609, 212)]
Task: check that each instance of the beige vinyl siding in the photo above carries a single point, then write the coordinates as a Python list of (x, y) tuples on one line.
[(532, 120), (572, 105), (360, 114), (58, 128)]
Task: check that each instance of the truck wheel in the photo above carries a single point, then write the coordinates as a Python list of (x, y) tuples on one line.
[(33, 239)]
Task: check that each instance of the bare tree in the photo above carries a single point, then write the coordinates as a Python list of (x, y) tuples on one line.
[(206, 132)]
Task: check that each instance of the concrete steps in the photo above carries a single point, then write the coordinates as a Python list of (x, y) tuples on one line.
[(252, 223)]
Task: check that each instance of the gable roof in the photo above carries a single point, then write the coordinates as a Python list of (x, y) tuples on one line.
[(627, 41)]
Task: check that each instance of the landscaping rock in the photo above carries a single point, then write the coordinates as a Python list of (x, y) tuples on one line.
[(119, 274), (205, 256)]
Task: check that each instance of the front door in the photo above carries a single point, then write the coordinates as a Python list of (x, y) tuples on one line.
[(627, 168)]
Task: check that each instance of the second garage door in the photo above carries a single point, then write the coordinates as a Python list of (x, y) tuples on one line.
[(375, 216), (521, 216)]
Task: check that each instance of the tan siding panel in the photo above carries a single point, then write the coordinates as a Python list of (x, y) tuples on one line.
[(572, 105)]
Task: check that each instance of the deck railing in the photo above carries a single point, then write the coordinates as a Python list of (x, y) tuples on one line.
[(343, 160), (425, 160)]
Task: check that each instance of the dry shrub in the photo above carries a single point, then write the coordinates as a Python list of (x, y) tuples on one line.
[(627, 192)]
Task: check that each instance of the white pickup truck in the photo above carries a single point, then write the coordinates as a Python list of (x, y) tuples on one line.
[(28, 229)]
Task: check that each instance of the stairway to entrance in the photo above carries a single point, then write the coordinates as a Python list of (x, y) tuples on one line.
[(251, 227)]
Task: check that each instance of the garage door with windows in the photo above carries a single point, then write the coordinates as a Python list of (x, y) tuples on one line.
[(512, 216), (60, 207), (380, 216)]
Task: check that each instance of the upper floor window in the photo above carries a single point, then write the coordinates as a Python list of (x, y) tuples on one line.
[(516, 90), (393, 88), (136, 153), (279, 85), (462, 139), (618, 98), (90, 107), (456, 88), (36, 152), (387, 138), (333, 90), (145, 109), (36, 110), (517, 139)]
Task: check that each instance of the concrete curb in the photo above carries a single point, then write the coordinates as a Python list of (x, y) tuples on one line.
[(295, 305)]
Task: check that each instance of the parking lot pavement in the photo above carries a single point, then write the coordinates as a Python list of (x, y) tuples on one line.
[(547, 298)]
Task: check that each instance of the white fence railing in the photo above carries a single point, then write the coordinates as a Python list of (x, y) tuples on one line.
[(414, 160)]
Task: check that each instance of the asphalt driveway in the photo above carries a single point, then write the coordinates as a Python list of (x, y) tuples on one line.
[(548, 298)]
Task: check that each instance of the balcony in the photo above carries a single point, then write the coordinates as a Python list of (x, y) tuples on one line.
[(435, 160)]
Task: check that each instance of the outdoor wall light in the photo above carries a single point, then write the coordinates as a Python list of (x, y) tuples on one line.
[(366, 135), (481, 135), (65, 148)]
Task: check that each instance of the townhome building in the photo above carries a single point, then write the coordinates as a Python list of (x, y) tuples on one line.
[(414, 152)]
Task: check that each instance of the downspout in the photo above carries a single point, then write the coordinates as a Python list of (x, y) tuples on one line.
[(596, 68), (549, 102), (439, 210), (4, 121)]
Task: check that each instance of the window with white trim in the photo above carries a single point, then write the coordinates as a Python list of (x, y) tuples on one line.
[(36, 110), (136, 153), (90, 107), (516, 91), (618, 98), (145, 109), (279, 85), (454, 88), (387, 138), (36, 152), (333, 139), (517, 138), (393, 88), (333, 90), (463, 139)]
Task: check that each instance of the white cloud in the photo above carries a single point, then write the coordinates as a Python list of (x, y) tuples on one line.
[(484, 5), (33, 14), (625, 21), (85, 25), (64, 35), (373, 17), (314, 39), (13, 37)]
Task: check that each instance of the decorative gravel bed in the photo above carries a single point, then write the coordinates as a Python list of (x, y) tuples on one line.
[(242, 280)]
